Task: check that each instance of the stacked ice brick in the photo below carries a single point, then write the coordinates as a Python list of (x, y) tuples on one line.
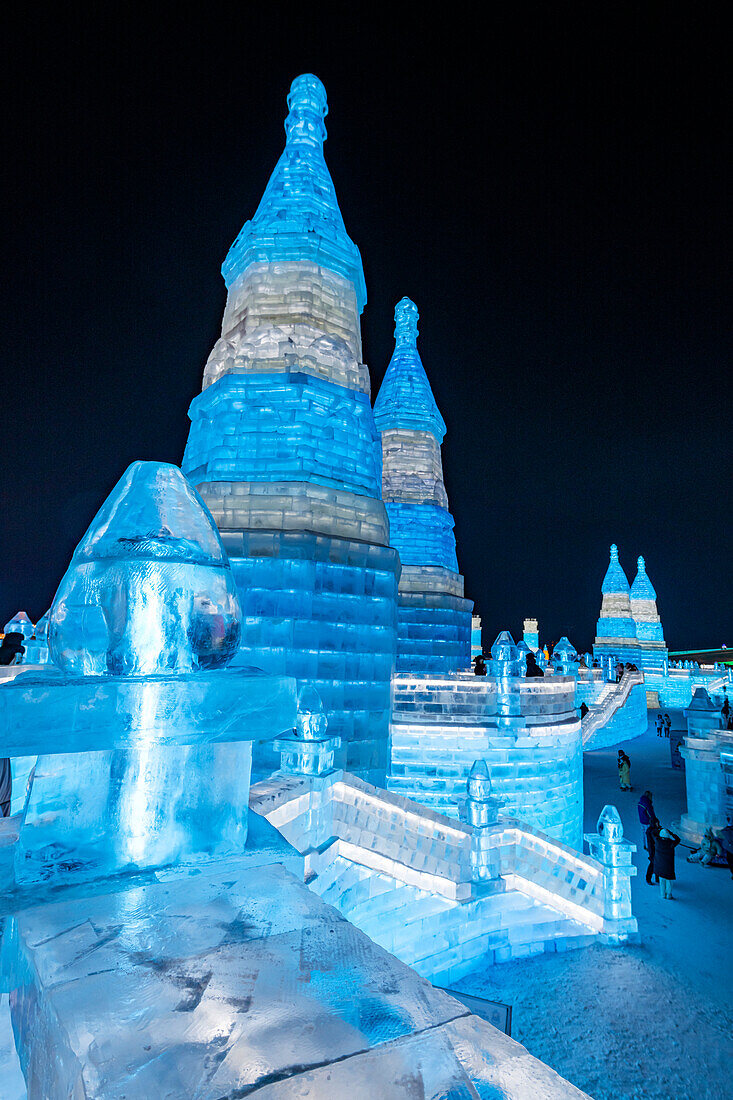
[(434, 619), (284, 450), (616, 630), (652, 649)]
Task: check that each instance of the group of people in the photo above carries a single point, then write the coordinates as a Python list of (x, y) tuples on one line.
[(660, 843), (663, 724), (621, 668)]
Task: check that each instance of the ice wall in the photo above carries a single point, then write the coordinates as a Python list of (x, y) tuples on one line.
[(434, 618), (284, 450)]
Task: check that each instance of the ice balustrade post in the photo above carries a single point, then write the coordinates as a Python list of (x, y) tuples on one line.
[(480, 811), (309, 751), (565, 658), (614, 852), (506, 667)]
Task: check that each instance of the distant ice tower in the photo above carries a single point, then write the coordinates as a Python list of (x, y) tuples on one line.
[(434, 619), (649, 635), (284, 450), (616, 631)]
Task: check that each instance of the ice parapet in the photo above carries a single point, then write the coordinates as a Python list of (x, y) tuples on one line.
[(149, 588)]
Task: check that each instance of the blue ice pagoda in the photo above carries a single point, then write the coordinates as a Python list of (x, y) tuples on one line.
[(284, 450)]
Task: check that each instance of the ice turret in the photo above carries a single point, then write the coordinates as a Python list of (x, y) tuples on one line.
[(299, 217), (434, 617), (653, 651), (615, 631), (284, 450)]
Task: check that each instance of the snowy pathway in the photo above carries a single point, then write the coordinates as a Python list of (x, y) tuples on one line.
[(651, 1021)]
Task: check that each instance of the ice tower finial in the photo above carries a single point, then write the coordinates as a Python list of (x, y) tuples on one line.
[(308, 108), (406, 318), (615, 579)]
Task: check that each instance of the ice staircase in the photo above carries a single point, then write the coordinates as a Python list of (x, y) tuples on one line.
[(618, 714), (401, 873)]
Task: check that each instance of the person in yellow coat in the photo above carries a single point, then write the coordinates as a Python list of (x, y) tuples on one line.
[(624, 771)]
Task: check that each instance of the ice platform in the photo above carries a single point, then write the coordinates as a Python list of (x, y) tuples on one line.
[(224, 985)]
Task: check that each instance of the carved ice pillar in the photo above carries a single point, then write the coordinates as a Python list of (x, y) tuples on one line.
[(610, 848)]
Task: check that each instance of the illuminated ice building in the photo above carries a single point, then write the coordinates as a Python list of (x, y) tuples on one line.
[(434, 618), (284, 450)]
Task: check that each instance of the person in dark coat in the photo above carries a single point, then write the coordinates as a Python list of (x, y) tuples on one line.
[(533, 669), (647, 816), (667, 725), (651, 846), (11, 649), (479, 665), (664, 845), (6, 787)]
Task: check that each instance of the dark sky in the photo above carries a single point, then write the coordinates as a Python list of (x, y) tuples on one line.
[(549, 192)]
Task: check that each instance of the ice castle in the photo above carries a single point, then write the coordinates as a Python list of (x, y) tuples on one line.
[(434, 618), (285, 452)]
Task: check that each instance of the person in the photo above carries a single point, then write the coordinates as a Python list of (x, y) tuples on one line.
[(725, 710), (664, 846), (583, 710), (11, 649), (707, 851), (667, 724), (619, 671), (647, 816), (624, 770), (651, 846), (6, 787), (725, 839), (533, 669), (659, 725), (582, 663), (479, 665), (596, 663)]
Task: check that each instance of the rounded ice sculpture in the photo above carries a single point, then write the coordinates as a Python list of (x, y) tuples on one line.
[(503, 648), (149, 588), (609, 824)]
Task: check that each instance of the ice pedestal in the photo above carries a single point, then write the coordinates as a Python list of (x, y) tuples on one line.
[(614, 852)]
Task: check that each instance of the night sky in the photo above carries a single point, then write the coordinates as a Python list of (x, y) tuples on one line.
[(549, 192)]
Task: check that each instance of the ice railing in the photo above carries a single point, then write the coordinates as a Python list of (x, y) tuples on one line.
[(389, 834), (601, 713)]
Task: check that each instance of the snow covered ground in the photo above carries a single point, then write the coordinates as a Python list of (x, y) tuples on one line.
[(653, 1020)]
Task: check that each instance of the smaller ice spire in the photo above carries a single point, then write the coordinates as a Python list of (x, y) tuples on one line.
[(406, 318), (308, 107), (615, 579), (405, 399), (642, 588)]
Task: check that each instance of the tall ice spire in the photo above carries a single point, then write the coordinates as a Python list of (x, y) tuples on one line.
[(434, 619), (284, 450), (615, 631)]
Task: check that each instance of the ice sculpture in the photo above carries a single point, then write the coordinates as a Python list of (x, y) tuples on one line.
[(616, 632), (614, 852), (652, 649), (565, 657), (284, 450), (149, 588), (20, 624), (434, 618), (36, 649), (144, 739)]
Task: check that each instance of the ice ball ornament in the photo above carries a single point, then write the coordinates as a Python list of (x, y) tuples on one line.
[(609, 824), (149, 588)]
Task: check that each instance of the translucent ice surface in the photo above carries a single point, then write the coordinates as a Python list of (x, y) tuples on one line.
[(149, 588)]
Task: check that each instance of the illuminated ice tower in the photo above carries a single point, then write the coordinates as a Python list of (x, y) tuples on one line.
[(434, 618), (616, 631), (653, 651), (284, 450)]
